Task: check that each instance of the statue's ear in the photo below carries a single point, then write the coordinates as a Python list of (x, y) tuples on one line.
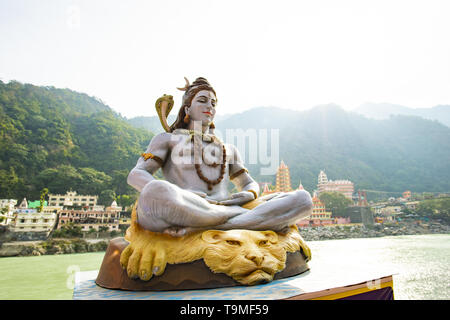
[(212, 236), (271, 236)]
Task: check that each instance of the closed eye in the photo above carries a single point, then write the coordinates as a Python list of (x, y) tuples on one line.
[(233, 242)]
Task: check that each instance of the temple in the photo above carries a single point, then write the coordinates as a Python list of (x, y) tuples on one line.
[(283, 178), (283, 181), (344, 187)]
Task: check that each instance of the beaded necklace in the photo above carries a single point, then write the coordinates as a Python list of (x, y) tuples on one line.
[(208, 139)]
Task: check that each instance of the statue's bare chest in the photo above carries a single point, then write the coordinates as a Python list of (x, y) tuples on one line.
[(197, 163), (186, 154)]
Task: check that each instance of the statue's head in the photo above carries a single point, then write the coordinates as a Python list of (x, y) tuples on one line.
[(199, 102)]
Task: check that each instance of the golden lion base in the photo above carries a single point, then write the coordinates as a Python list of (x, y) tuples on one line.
[(183, 276)]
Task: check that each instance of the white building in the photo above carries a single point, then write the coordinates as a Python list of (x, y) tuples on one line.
[(114, 207), (30, 220), (7, 210), (71, 199), (344, 187)]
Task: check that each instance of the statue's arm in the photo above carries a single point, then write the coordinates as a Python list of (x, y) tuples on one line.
[(147, 164), (239, 174)]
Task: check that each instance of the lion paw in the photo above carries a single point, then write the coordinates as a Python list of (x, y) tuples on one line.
[(143, 262)]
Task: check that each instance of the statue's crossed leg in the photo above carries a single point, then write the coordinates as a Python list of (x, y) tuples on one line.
[(165, 207)]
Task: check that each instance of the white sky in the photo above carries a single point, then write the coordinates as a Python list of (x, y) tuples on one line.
[(290, 54)]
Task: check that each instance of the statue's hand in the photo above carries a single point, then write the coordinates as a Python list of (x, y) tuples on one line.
[(204, 195), (238, 199), (199, 193), (143, 258)]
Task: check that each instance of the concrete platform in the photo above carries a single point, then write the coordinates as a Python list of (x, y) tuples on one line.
[(345, 284)]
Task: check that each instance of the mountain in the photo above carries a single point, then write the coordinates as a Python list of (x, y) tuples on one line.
[(392, 155), (439, 113), (153, 123), (61, 139)]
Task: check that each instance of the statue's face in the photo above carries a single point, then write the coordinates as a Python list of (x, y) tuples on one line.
[(203, 107)]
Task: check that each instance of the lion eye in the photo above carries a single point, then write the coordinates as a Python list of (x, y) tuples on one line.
[(263, 242), (234, 242)]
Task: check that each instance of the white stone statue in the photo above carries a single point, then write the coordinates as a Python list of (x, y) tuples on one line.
[(197, 168)]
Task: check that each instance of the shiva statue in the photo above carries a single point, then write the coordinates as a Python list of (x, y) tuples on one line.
[(197, 167), (190, 217)]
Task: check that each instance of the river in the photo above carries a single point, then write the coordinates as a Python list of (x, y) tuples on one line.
[(420, 264)]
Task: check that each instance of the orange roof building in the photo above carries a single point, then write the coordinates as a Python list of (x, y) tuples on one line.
[(283, 178), (319, 211)]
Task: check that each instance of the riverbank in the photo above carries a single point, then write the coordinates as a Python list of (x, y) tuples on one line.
[(67, 246), (52, 247), (377, 230)]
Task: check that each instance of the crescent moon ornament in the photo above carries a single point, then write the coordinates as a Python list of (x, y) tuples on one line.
[(186, 86)]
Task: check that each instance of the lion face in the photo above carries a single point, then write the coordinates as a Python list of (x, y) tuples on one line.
[(249, 257)]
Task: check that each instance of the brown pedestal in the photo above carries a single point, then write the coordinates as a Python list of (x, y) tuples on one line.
[(183, 276)]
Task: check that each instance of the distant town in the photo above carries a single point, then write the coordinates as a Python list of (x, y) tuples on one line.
[(72, 214)]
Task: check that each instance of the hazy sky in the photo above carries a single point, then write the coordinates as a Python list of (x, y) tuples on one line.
[(290, 54)]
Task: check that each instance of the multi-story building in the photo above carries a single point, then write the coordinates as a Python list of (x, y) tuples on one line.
[(412, 205), (319, 215), (30, 220), (319, 211), (283, 180), (90, 219), (407, 195), (71, 199), (7, 210), (344, 187)]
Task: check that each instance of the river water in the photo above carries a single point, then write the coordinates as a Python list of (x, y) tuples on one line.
[(420, 265)]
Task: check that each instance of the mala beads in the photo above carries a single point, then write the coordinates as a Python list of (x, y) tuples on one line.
[(209, 182)]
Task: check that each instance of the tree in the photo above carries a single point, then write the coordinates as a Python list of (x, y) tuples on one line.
[(68, 231), (336, 202), (60, 179), (125, 200), (93, 181), (106, 197), (103, 229), (42, 199), (435, 208)]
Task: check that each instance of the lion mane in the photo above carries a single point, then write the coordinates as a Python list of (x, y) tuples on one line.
[(249, 257)]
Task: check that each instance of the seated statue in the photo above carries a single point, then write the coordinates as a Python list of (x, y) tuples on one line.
[(194, 196)]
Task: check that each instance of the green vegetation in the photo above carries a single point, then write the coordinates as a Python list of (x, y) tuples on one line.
[(68, 231), (335, 202), (397, 154), (60, 140), (42, 199), (435, 208)]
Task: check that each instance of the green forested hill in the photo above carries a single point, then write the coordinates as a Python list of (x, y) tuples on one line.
[(396, 154), (61, 139)]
